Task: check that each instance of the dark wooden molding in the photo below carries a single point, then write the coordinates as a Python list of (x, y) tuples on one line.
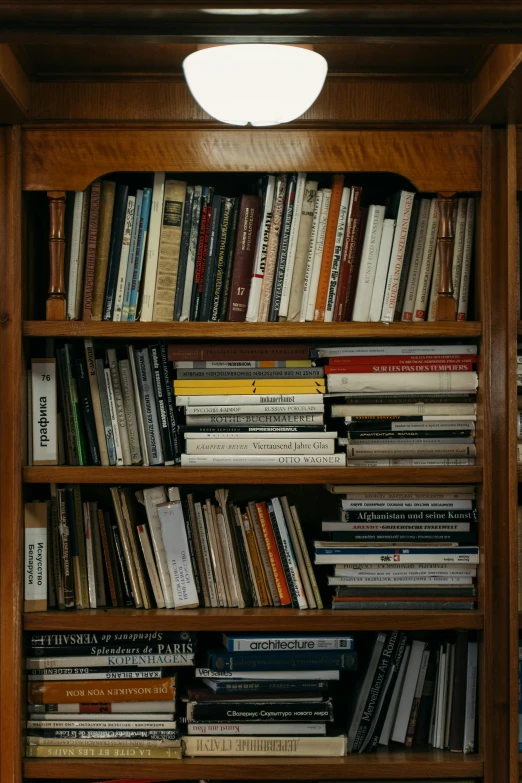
[(15, 89), (496, 90)]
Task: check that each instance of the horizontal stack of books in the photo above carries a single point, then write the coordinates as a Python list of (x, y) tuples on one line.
[(417, 692), (291, 248), (155, 549), (254, 406), (268, 696), (105, 695), (404, 404), (413, 549)]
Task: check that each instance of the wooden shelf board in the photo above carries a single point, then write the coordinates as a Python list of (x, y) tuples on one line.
[(383, 764), (223, 476), (243, 331), (248, 620)]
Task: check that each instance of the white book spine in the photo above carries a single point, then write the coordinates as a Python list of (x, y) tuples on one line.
[(471, 698), (456, 505), (74, 258), (260, 435), (381, 271), (113, 415), (265, 746), (292, 244), (259, 446), (302, 251), (152, 250), (148, 406), (151, 566), (112, 360), (407, 409), (318, 254), (251, 729), (174, 536), (373, 383), (318, 205), (412, 282), (83, 250), (129, 404), (397, 256), (337, 252), (370, 254), (152, 498), (207, 560), (462, 310), (458, 253), (91, 576), (272, 675), (44, 412), (263, 460), (192, 252), (96, 406), (258, 271), (124, 259), (35, 561), (249, 399), (289, 554), (427, 262)]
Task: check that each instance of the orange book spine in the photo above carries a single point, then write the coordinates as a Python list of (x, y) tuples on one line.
[(273, 554), (329, 245), (96, 691)]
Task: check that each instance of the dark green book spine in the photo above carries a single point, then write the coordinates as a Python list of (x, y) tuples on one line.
[(75, 403), (84, 393), (209, 283), (71, 444)]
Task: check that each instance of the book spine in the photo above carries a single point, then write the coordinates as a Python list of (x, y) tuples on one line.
[(397, 256), (292, 246), (192, 525), (149, 412), (93, 752), (328, 248), (259, 711), (229, 260), (56, 559), (205, 550), (337, 254), (318, 254), (283, 554), (131, 522), (126, 549), (90, 360), (248, 224), (276, 227), (257, 460), (105, 411), (274, 555), (113, 416), (35, 544), (141, 244), (136, 221), (115, 248), (375, 256), (75, 249), (183, 252), (345, 294), (161, 405), (302, 571), (306, 556), (412, 282), (166, 381), (124, 259), (260, 445), (295, 296), (65, 553), (142, 435), (263, 235), (178, 556), (119, 406), (399, 302), (471, 698), (289, 554), (104, 534), (462, 309), (92, 529), (262, 547), (153, 246), (222, 254), (44, 433), (106, 208), (74, 404), (152, 498), (260, 399), (427, 262), (264, 746), (79, 534), (84, 393), (202, 253), (129, 408), (316, 215), (458, 253), (191, 254), (209, 281), (150, 565), (96, 691), (90, 256), (284, 245)]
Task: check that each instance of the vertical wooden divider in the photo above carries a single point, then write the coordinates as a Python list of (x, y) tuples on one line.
[(11, 521)]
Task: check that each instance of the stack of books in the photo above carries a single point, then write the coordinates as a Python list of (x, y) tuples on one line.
[(416, 692), (293, 248), (105, 695), (154, 549), (411, 548), (403, 404), (255, 406), (268, 696)]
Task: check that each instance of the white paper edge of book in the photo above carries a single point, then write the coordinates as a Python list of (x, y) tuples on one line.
[(318, 254), (207, 558), (124, 258), (192, 251), (400, 237), (289, 554), (151, 566), (256, 282), (74, 259), (389, 721), (151, 497), (462, 310), (49, 369), (337, 253), (302, 253), (292, 244), (152, 250), (378, 646), (318, 205), (427, 263), (412, 283), (176, 545), (301, 565), (89, 555)]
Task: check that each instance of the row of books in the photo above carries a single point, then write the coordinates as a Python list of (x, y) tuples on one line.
[(153, 549), (403, 404), (288, 250), (403, 548), (113, 695)]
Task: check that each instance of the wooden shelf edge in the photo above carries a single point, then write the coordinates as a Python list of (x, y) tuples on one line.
[(136, 475), (250, 620), (242, 331), (391, 765)]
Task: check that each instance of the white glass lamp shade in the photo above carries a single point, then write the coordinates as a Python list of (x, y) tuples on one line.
[(260, 84)]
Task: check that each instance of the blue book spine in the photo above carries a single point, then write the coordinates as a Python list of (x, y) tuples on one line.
[(222, 661), (132, 253), (118, 225), (140, 250), (286, 642)]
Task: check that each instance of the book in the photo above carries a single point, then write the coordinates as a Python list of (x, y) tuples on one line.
[(209, 282), (282, 642), (365, 682), (321, 296), (158, 206), (35, 559), (284, 247), (263, 460), (251, 729), (265, 219), (115, 248), (184, 251), (316, 265), (292, 245), (260, 712), (276, 224), (298, 274), (350, 258), (201, 253), (248, 222), (90, 253), (376, 302), (111, 660), (191, 254), (133, 246), (462, 308), (94, 751), (106, 207), (221, 660), (76, 250), (137, 265), (124, 259), (366, 281), (403, 215), (176, 548), (148, 406), (44, 433), (265, 746)]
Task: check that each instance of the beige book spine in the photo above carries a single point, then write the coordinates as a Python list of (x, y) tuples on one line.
[(101, 752), (302, 249), (131, 525), (214, 553), (170, 241), (129, 560), (108, 191), (264, 746)]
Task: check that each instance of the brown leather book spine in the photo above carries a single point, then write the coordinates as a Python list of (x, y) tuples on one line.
[(350, 242), (247, 228), (90, 255), (107, 194), (96, 691), (354, 262), (329, 244)]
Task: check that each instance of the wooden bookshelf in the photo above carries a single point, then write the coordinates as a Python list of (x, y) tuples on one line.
[(392, 765)]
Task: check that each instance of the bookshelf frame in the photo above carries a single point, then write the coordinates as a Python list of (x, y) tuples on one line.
[(471, 159)]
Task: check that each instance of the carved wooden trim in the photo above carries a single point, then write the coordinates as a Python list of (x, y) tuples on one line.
[(446, 305), (55, 309)]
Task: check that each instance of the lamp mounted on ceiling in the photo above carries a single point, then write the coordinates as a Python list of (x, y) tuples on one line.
[(256, 84)]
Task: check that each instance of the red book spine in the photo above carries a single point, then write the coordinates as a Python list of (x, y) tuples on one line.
[(90, 256), (392, 368), (247, 228), (273, 554), (348, 361), (354, 262), (178, 352), (350, 240)]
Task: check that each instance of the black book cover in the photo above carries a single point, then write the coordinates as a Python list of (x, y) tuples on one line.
[(121, 568), (260, 712), (387, 693), (422, 727), (183, 252), (282, 555), (282, 252), (161, 405), (128, 647), (209, 282), (221, 253), (201, 254), (169, 398), (117, 229), (84, 391), (229, 258), (407, 259), (458, 705)]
